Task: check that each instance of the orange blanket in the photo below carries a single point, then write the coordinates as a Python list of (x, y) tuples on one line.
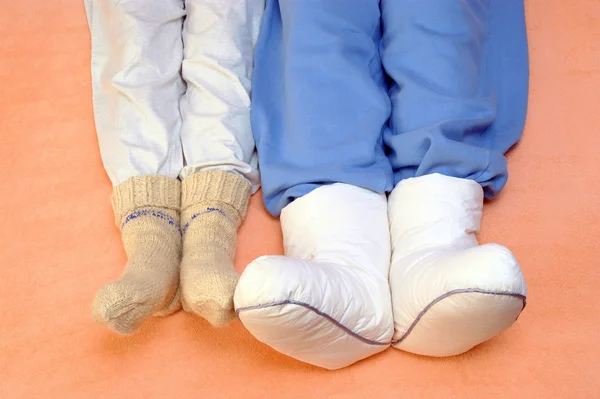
[(58, 244)]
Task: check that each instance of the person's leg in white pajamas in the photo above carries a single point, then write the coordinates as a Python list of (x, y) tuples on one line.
[(221, 171), (136, 60), (137, 55)]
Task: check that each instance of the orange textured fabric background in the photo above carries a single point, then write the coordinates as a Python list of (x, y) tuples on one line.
[(58, 243)]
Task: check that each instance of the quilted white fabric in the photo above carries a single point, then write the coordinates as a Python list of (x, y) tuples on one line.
[(448, 293), (327, 302)]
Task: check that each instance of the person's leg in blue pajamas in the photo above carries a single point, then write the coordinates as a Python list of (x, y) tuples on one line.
[(459, 72), (320, 105)]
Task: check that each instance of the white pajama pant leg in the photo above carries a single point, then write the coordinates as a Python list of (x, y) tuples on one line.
[(219, 38), (137, 52)]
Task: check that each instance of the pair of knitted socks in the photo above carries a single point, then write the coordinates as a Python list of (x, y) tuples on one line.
[(180, 240)]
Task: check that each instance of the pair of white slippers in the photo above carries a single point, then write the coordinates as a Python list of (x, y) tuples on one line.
[(336, 298)]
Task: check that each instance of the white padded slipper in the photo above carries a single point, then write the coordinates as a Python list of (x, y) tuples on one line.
[(327, 302), (448, 293)]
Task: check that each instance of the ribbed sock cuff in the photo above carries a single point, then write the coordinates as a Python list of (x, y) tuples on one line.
[(145, 191), (216, 186)]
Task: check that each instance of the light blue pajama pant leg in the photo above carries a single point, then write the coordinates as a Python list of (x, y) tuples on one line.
[(459, 73), (319, 101), (460, 80)]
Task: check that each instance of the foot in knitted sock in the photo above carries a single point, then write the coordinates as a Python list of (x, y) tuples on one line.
[(152, 241), (213, 207)]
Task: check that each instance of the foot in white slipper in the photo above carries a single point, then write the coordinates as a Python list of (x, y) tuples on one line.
[(448, 293), (327, 302)]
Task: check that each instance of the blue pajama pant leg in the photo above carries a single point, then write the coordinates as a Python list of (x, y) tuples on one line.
[(319, 101), (460, 81)]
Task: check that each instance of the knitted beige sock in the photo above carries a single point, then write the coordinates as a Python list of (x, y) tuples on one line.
[(214, 204), (147, 211)]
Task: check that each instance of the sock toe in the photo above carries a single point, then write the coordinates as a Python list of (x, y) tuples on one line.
[(209, 293), (173, 306), (120, 307)]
